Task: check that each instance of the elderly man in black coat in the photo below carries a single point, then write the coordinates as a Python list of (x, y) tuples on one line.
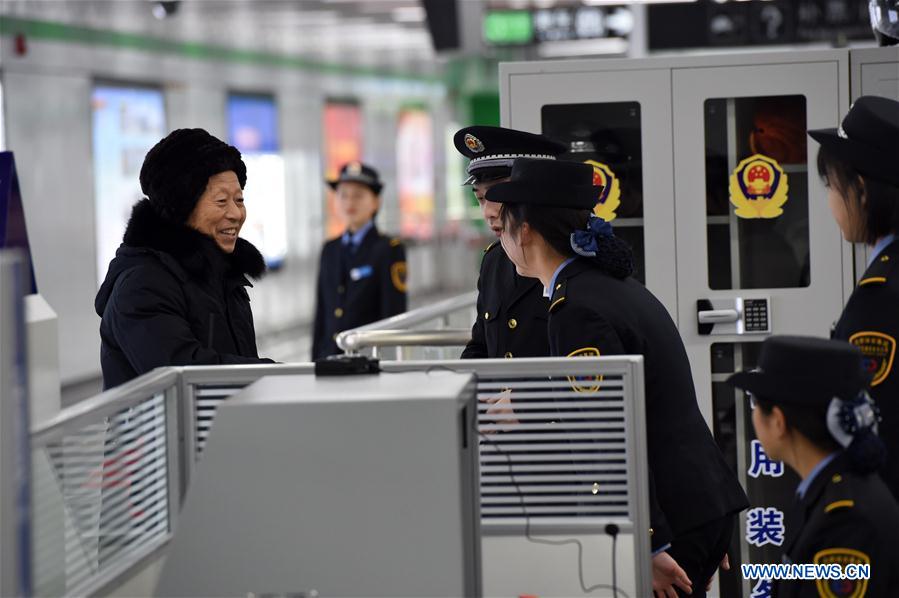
[(175, 292)]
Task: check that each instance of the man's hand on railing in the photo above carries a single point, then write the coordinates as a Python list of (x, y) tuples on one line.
[(500, 412)]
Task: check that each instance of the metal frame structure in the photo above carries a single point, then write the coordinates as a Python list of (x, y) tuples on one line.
[(396, 331), (163, 381), (181, 388), (14, 462)]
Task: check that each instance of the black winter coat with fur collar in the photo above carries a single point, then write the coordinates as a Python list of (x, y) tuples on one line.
[(172, 297)]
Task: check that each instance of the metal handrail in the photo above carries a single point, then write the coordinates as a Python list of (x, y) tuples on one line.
[(354, 340), (415, 317)]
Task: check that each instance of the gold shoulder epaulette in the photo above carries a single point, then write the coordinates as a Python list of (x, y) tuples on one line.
[(556, 303), (839, 504), (491, 246), (395, 242), (872, 280), (878, 272)]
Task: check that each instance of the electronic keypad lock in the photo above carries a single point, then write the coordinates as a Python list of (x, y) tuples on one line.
[(734, 316)]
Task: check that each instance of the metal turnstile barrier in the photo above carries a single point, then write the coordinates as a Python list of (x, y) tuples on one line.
[(105, 485), (562, 451)]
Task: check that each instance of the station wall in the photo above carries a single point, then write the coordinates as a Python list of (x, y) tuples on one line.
[(47, 95)]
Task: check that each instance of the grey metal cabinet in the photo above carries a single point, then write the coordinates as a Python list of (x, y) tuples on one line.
[(734, 232)]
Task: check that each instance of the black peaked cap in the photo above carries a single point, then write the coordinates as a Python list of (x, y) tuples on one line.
[(867, 139), (804, 370), (497, 147), (357, 172), (554, 183)]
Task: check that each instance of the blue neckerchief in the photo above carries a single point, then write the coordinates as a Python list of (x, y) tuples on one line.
[(355, 239), (880, 246), (548, 291), (804, 484)]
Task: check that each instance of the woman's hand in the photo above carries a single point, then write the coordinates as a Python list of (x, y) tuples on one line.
[(666, 574), (500, 411)]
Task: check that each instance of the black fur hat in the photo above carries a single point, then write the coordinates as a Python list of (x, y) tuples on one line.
[(177, 169)]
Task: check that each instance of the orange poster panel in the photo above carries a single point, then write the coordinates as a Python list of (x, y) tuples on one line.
[(415, 174), (343, 143)]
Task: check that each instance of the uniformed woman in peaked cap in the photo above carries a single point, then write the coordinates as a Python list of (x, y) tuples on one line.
[(811, 411), (511, 318), (860, 166), (362, 273), (595, 308)]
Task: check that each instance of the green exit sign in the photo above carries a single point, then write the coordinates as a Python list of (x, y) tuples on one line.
[(509, 27)]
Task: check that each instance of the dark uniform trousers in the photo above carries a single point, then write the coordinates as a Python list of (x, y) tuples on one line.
[(357, 287), (844, 518), (870, 321), (512, 312), (693, 493)]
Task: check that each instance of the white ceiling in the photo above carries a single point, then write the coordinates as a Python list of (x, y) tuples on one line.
[(382, 33)]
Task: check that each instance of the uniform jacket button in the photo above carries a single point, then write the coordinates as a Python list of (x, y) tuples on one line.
[(508, 355), (338, 312), (486, 315), (513, 323)]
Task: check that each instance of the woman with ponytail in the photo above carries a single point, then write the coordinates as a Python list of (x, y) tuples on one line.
[(811, 411), (858, 163), (550, 233)]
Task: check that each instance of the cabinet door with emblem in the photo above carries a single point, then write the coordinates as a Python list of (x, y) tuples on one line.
[(618, 120), (874, 72), (758, 252)]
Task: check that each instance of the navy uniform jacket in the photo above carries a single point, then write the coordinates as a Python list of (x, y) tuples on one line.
[(844, 517), (511, 319), (591, 314), (357, 287), (870, 321)]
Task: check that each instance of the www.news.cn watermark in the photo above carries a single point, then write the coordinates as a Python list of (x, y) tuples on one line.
[(806, 571)]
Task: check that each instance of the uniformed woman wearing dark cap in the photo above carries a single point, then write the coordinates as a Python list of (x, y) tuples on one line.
[(511, 309), (362, 274), (860, 166), (811, 411), (596, 308), (175, 292)]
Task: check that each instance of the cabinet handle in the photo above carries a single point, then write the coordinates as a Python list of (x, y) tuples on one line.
[(718, 316)]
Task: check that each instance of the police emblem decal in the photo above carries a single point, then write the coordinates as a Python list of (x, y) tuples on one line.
[(610, 196), (842, 588), (473, 143), (354, 169), (878, 350), (758, 188), (585, 384), (398, 276)]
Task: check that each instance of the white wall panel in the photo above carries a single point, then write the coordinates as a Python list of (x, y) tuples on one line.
[(49, 130)]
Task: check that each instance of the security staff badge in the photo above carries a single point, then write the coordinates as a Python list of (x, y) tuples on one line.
[(585, 384), (758, 188), (398, 276), (878, 350), (842, 588), (473, 143), (610, 196), (354, 169)]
